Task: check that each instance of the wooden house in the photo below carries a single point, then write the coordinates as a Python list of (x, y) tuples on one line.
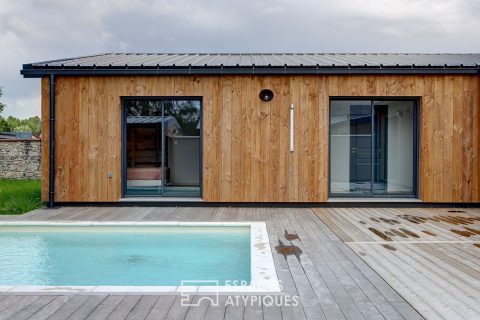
[(269, 128)]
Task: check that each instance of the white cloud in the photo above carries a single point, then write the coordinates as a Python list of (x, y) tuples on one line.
[(24, 107), (36, 30)]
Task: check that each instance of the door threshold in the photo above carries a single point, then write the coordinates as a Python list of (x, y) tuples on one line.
[(352, 199), (161, 199)]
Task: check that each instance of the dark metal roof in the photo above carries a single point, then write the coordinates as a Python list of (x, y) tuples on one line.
[(258, 63), (16, 135)]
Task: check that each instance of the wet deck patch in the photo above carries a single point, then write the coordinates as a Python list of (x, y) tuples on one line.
[(463, 233), (409, 233), (380, 234), (291, 236), (476, 231), (287, 250), (389, 247), (390, 221), (399, 233)]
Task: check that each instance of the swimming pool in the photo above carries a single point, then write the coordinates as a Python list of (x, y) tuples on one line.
[(139, 257)]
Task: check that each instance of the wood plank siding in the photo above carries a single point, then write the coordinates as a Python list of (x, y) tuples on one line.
[(246, 142)]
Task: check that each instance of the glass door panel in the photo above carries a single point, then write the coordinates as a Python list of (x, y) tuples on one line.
[(162, 148), (394, 147), (350, 147), (182, 148), (144, 145)]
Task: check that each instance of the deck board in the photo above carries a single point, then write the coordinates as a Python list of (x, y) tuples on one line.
[(105, 308), (428, 255), (33, 307), (50, 308), (68, 307), (123, 309), (88, 307), (16, 306), (332, 281), (161, 308)]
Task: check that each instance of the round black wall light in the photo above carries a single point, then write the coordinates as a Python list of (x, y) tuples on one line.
[(266, 95)]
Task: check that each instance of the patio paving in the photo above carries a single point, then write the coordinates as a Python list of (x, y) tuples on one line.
[(330, 279)]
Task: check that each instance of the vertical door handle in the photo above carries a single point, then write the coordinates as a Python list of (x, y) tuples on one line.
[(291, 128)]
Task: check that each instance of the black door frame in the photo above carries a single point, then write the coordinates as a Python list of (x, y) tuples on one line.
[(123, 99), (373, 99)]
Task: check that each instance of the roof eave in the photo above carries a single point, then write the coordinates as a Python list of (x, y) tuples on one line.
[(31, 71)]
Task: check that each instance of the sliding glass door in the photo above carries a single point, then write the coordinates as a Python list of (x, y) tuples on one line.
[(372, 147), (162, 154), (181, 141)]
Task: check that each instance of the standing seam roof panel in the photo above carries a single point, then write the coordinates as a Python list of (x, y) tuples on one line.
[(130, 60), (201, 60), (110, 59), (113, 60), (151, 61)]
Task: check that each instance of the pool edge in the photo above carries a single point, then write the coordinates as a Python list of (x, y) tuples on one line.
[(264, 278)]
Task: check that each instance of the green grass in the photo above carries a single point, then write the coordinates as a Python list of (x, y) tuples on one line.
[(19, 196)]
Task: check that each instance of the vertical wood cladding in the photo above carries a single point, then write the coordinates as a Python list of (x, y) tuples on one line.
[(246, 141)]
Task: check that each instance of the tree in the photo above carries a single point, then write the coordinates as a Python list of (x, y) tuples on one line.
[(22, 128), (2, 106), (13, 123), (35, 125), (4, 125)]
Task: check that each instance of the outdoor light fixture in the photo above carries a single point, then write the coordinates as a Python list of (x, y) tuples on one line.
[(266, 95)]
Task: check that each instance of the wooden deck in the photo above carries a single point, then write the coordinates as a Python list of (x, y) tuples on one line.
[(331, 281), (430, 256)]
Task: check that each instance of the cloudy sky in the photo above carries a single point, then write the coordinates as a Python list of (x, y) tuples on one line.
[(36, 30)]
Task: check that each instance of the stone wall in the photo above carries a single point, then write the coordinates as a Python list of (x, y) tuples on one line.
[(20, 159)]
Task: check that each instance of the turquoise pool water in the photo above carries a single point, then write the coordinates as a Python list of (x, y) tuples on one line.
[(123, 256)]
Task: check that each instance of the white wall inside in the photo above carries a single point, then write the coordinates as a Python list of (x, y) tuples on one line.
[(184, 160), (400, 147)]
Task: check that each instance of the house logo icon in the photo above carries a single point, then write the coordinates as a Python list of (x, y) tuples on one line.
[(189, 288)]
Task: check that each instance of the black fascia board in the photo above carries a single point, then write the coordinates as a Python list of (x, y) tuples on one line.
[(31, 71)]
